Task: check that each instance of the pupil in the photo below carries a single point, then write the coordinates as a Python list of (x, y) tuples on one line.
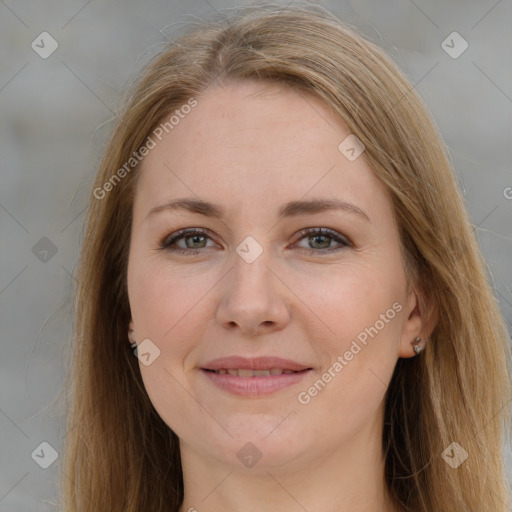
[(320, 237), (196, 237)]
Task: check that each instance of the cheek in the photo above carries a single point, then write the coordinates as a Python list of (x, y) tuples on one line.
[(162, 297), (169, 307), (352, 298), (358, 364), (161, 302), (363, 309)]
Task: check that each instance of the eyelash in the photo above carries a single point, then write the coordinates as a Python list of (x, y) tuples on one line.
[(168, 241)]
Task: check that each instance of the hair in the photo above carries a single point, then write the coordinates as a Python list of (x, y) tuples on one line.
[(119, 454)]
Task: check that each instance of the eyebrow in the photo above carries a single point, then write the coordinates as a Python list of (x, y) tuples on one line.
[(290, 209)]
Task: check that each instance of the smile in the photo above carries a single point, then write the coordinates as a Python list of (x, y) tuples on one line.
[(247, 372), (250, 383)]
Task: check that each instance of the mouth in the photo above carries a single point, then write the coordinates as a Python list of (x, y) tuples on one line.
[(246, 373), (274, 364), (254, 377)]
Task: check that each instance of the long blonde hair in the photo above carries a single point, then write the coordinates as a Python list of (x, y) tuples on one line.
[(119, 455)]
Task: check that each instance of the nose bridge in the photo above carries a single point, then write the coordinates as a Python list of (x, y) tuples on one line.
[(251, 275), (252, 296)]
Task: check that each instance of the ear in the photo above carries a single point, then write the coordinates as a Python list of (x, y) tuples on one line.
[(131, 332), (421, 320)]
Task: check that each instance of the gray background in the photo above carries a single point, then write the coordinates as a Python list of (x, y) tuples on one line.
[(57, 112)]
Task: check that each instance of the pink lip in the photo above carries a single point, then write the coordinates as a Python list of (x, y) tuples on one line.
[(255, 363), (254, 386)]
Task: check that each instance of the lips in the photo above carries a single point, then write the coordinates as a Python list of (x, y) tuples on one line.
[(247, 372), (254, 377), (267, 363)]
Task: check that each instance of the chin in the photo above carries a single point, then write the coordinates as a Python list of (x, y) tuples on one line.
[(261, 448)]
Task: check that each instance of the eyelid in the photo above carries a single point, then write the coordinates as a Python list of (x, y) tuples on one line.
[(181, 233), (343, 239)]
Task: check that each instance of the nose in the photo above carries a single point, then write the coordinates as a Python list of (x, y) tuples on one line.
[(253, 300)]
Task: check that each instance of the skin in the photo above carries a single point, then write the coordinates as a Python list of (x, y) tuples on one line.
[(252, 147)]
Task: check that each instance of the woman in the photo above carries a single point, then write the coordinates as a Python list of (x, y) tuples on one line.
[(277, 233)]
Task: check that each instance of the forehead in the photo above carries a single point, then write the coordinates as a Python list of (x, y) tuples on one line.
[(255, 140)]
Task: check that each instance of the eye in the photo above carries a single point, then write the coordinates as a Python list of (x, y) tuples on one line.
[(322, 237), (196, 239)]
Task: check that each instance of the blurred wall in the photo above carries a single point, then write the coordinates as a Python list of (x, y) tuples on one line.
[(58, 98)]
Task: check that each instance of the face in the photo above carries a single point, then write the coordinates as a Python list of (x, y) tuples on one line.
[(266, 273)]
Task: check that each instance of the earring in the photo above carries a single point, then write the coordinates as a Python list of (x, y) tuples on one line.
[(418, 349), (134, 344)]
